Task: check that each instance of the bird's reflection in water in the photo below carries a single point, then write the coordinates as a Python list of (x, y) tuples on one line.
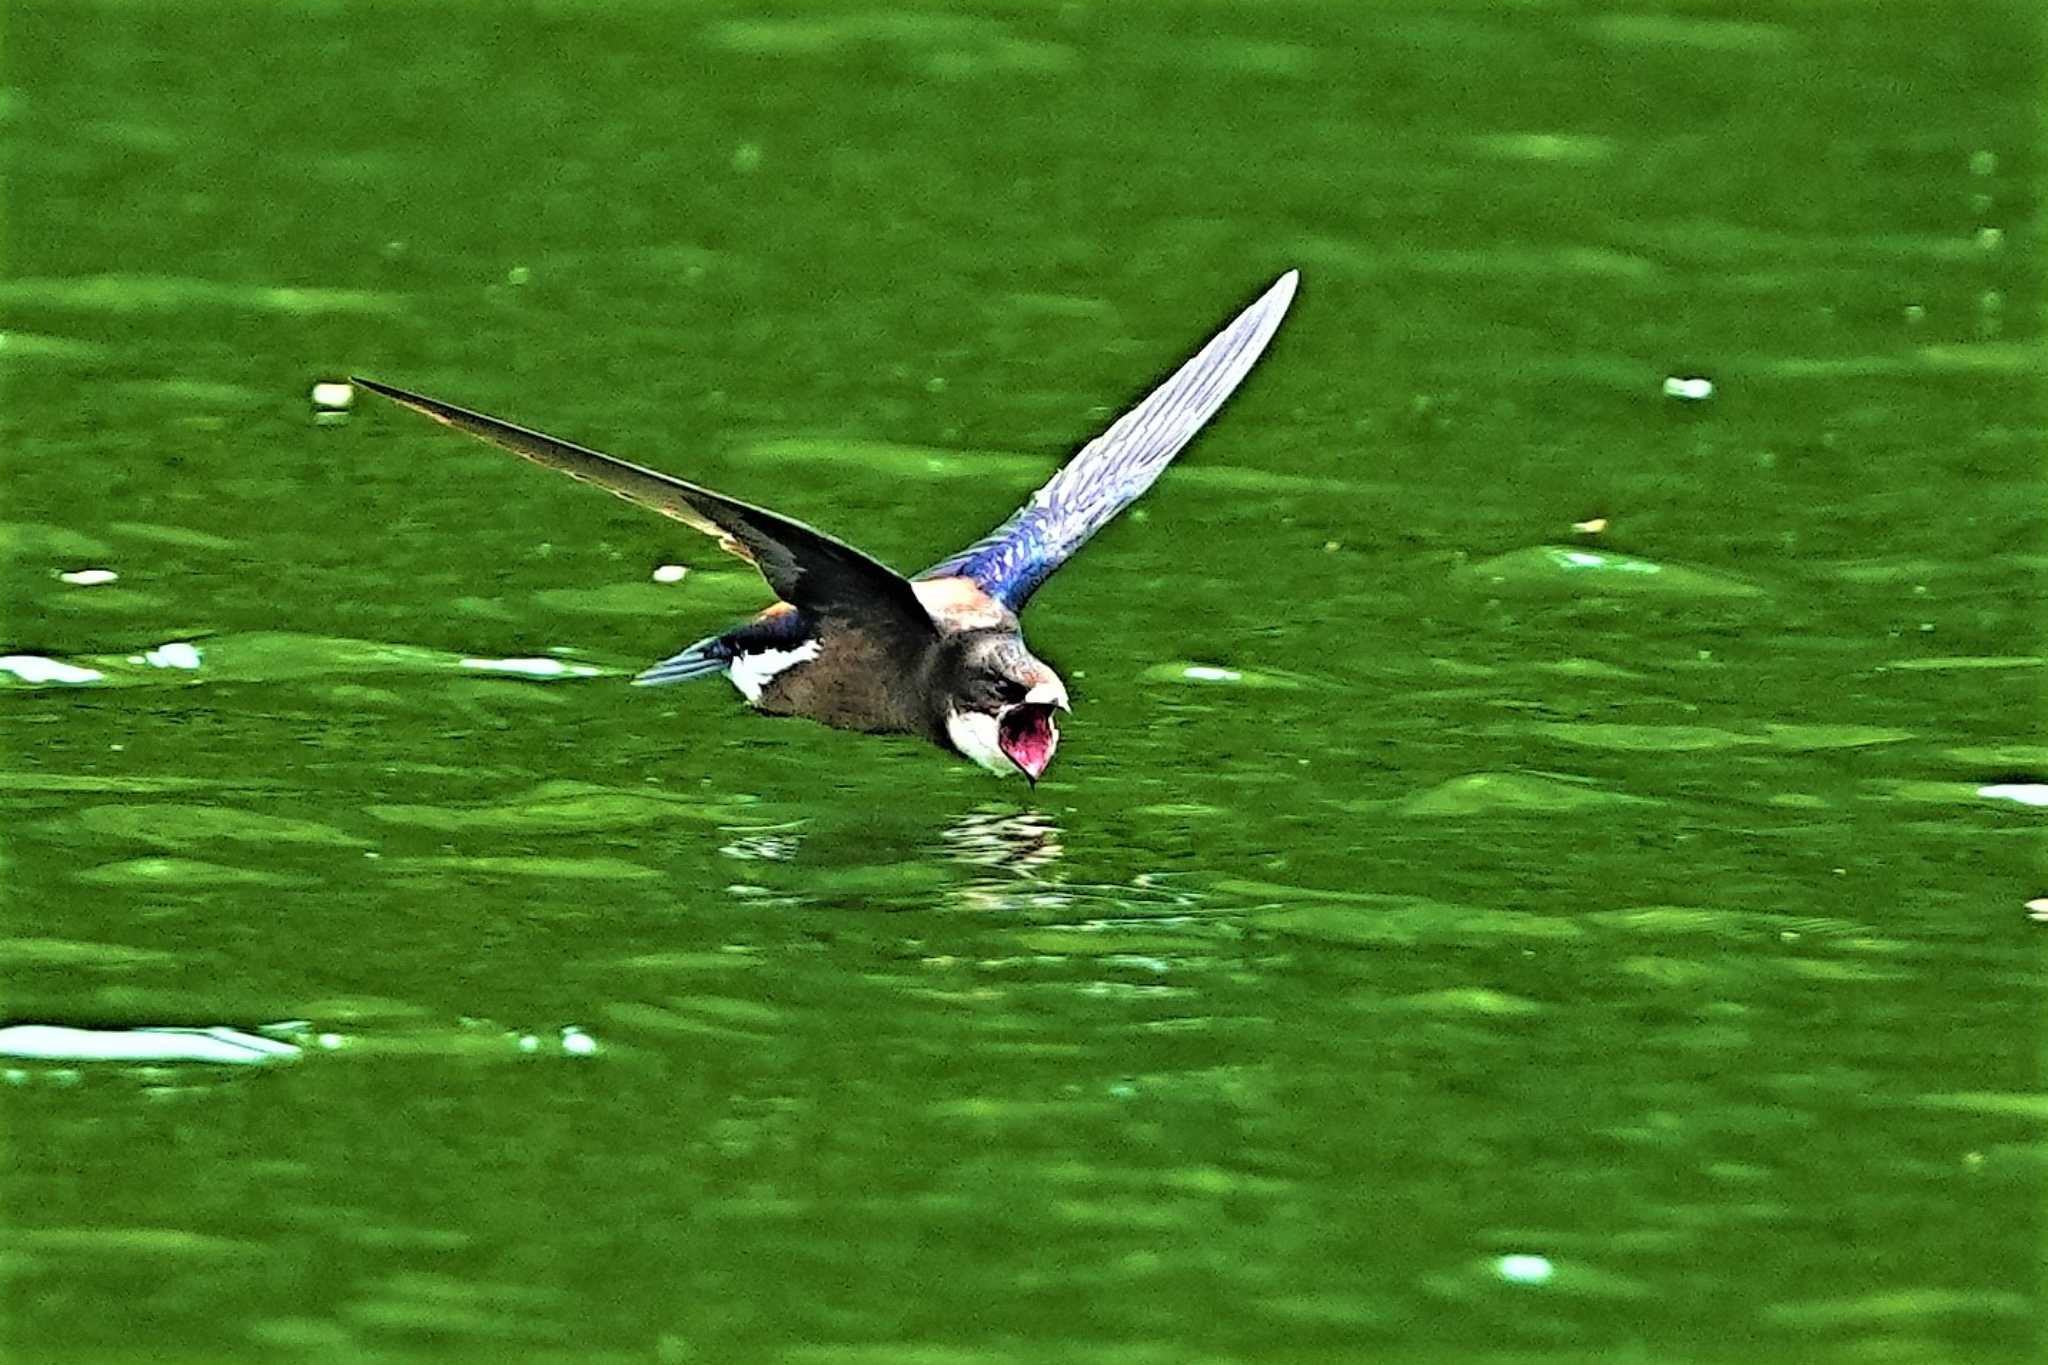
[(1017, 847)]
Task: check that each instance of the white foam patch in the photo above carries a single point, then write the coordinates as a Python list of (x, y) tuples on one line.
[(59, 1043), (177, 654), (34, 668), (751, 673), (532, 668)]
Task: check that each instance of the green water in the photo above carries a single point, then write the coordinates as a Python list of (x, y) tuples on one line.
[(1646, 904)]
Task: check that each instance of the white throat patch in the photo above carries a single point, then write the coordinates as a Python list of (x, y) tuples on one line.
[(751, 673), (974, 734)]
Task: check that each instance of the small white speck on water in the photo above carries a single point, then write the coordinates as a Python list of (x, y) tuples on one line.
[(177, 654), (88, 578), (2037, 909), (1990, 239), (2025, 793), (577, 1043), (1688, 388), (1523, 1268), (333, 395), (519, 275), (1210, 673), (670, 573)]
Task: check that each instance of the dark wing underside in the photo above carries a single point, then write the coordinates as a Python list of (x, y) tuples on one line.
[(1113, 469), (809, 570)]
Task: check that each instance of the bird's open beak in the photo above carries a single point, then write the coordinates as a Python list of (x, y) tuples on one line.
[(1026, 731)]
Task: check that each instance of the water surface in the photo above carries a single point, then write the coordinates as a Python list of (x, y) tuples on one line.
[(1449, 932)]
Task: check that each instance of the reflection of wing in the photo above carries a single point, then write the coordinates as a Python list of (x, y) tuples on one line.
[(805, 568), (1011, 561)]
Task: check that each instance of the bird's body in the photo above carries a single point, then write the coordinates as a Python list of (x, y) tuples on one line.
[(851, 643)]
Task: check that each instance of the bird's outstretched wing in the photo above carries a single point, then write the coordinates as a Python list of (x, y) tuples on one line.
[(806, 568), (1110, 471)]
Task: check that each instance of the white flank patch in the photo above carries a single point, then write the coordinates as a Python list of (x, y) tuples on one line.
[(751, 673), (974, 733)]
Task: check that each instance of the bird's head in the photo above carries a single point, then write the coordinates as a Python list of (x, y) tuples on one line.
[(999, 700)]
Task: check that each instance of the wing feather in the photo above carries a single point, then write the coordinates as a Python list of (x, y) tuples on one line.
[(806, 568), (1109, 473)]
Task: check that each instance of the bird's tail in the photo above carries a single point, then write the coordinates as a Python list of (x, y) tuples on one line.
[(707, 658)]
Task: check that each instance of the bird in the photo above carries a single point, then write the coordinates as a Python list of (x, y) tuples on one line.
[(854, 644)]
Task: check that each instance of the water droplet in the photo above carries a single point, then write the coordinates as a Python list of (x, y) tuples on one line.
[(1690, 388)]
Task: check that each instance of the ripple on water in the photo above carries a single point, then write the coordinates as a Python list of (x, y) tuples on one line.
[(699, 1016), (1560, 571), (947, 46), (173, 874), (77, 953), (1373, 919), (1516, 794), (1190, 673), (130, 294), (169, 824), (1627, 738), (271, 656), (565, 807), (40, 540)]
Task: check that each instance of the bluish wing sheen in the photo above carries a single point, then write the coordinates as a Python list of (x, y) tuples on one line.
[(1113, 469)]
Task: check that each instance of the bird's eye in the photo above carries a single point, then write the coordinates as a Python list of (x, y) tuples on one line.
[(1009, 690)]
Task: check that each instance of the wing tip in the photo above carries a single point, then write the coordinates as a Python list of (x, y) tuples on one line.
[(417, 402), (1281, 291)]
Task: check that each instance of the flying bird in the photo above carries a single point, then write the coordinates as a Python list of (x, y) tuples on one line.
[(854, 644)]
